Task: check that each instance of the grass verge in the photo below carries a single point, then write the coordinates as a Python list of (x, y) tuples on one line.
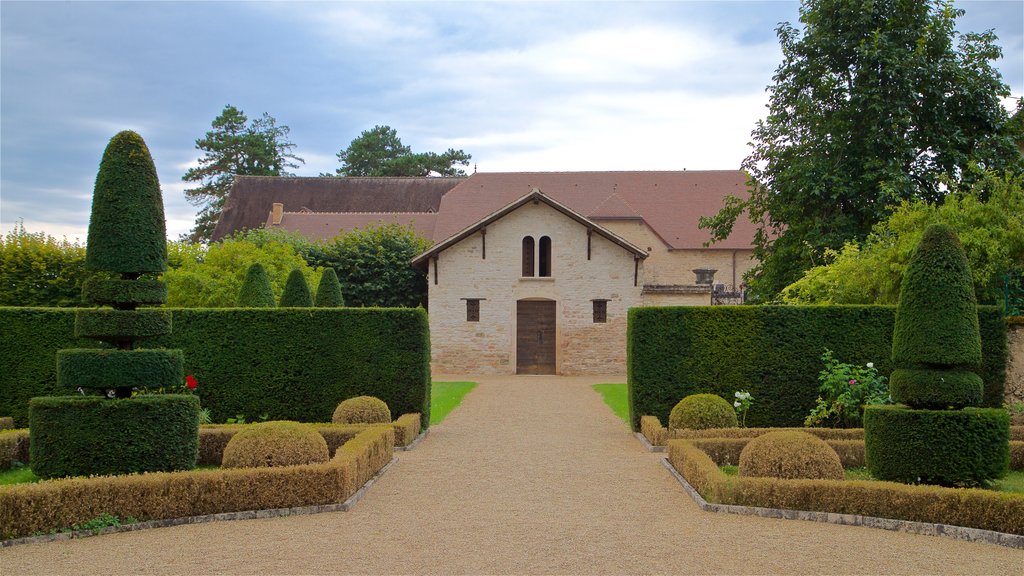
[(445, 396), (614, 395)]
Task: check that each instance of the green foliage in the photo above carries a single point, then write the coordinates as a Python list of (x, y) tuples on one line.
[(296, 292), (936, 323), (36, 269), (215, 279), (124, 293), (232, 147), (380, 152), (936, 388), (678, 351), (121, 326), (362, 410), (988, 218), (968, 447), (256, 291), (328, 293), (126, 228), (702, 411), (279, 443), (105, 369), (445, 397), (847, 389), (88, 435), (287, 364), (373, 265), (874, 103)]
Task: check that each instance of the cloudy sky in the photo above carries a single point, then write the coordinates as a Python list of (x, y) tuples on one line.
[(522, 86)]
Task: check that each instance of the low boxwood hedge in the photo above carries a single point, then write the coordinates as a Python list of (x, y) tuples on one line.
[(295, 364), (92, 435), (773, 352)]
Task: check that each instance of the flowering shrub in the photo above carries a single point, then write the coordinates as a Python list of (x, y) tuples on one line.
[(742, 404), (846, 390)]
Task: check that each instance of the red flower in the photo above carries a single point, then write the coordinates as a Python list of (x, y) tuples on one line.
[(190, 382)]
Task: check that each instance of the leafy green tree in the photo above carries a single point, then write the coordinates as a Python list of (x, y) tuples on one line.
[(874, 103), (328, 293), (214, 278), (36, 269), (988, 218), (296, 292), (373, 265), (235, 146), (380, 152), (256, 292)]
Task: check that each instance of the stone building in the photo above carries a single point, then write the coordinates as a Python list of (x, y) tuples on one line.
[(534, 272)]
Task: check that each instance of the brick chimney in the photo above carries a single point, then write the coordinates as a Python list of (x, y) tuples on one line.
[(276, 213)]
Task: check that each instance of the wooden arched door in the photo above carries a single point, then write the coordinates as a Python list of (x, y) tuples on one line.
[(535, 337)]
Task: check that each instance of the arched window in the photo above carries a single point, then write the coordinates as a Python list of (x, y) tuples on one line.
[(545, 256), (528, 257)]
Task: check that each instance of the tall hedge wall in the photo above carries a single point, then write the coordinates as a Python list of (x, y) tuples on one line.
[(773, 352), (293, 364)]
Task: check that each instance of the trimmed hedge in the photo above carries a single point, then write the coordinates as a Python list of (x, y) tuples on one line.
[(947, 447), (113, 326), (287, 364), (92, 435), (57, 504), (970, 507), (124, 292), (935, 388), (103, 368), (773, 352), (728, 450)]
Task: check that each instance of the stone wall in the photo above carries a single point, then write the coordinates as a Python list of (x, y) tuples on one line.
[(1015, 363)]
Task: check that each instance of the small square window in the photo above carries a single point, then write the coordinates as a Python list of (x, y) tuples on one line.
[(600, 311), (472, 309)]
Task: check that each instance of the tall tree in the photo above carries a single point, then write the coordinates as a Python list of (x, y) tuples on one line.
[(235, 146), (380, 152), (874, 103)]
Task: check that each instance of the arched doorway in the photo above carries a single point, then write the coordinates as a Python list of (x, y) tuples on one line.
[(535, 337)]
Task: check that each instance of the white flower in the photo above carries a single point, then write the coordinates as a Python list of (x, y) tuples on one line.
[(871, 364), (736, 404), (739, 395)]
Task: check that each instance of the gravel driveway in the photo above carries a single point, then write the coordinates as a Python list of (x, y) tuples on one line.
[(530, 475)]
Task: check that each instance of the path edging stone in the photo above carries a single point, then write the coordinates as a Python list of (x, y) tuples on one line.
[(924, 528), (647, 444), (224, 516)]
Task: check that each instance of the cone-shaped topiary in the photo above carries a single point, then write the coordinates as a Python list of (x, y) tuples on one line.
[(790, 454), (936, 343), (702, 411), (256, 291), (127, 210), (279, 443), (296, 291), (328, 292), (362, 410)]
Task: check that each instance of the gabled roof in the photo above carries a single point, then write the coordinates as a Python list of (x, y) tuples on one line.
[(670, 202), (327, 225), (534, 196), (252, 197)]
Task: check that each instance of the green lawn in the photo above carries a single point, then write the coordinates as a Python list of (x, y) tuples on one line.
[(614, 395), (18, 476), (445, 396), (1012, 482)]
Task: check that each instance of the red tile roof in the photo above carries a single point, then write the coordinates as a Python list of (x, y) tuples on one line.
[(327, 225), (669, 202)]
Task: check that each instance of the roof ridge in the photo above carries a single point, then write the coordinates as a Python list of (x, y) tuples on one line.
[(366, 213), (597, 211)]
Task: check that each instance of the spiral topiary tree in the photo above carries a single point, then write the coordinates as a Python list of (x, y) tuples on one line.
[(113, 433), (328, 292), (296, 291), (936, 434), (256, 291)]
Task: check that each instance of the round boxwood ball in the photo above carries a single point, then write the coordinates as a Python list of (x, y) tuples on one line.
[(790, 454), (702, 411), (278, 443), (362, 410)]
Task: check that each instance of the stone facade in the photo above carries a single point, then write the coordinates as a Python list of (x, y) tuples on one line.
[(462, 272), (1015, 364)]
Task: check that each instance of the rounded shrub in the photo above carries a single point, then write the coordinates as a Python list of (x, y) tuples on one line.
[(256, 291), (127, 211), (790, 454), (362, 410), (278, 443), (702, 411), (296, 291), (947, 447), (328, 292), (92, 435)]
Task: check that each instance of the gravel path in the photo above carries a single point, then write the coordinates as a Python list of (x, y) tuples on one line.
[(530, 475)]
